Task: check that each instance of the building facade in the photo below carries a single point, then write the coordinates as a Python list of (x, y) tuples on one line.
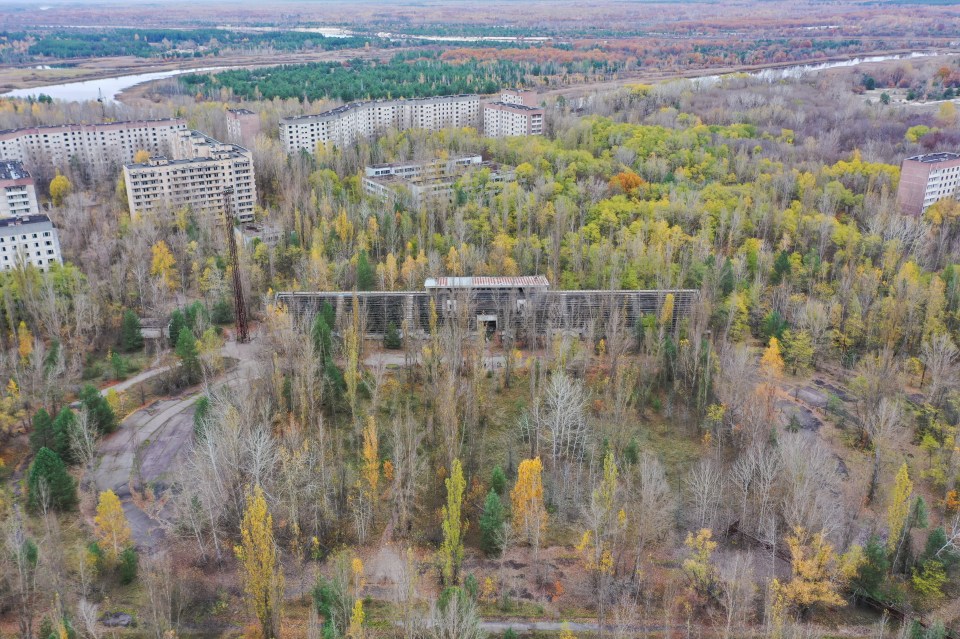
[(195, 176), (92, 144), (28, 241), (926, 179), (243, 127), (523, 97), (429, 182), (346, 124), (18, 194), (505, 119)]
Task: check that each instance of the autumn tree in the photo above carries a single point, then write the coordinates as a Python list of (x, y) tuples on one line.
[(817, 573), (529, 512), (605, 519), (898, 509), (163, 265), (110, 525), (60, 188), (772, 361), (451, 549), (142, 156), (262, 571), (698, 566)]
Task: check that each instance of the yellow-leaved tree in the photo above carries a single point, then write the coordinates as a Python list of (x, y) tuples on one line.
[(162, 264), (60, 188), (817, 573), (110, 525), (24, 341), (771, 364), (451, 549), (357, 617), (666, 311), (899, 508), (141, 157), (262, 572), (698, 566), (529, 511)]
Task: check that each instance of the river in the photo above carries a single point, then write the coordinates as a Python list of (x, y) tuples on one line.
[(109, 88)]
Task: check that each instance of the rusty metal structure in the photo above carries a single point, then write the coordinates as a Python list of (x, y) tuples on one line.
[(521, 307)]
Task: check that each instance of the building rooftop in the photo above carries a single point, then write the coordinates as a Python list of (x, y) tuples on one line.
[(241, 111), (50, 127), (933, 158), (12, 170), (511, 105), (8, 223), (523, 281)]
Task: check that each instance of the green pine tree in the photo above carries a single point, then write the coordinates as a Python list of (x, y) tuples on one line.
[(101, 415), (189, 356), (491, 524), (42, 434), (131, 335), (48, 479)]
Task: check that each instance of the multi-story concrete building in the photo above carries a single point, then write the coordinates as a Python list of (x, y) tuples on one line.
[(243, 126), (425, 182), (196, 175), (503, 119), (343, 125), (28, 241), (96, 145), (925, 179), (18, 195), (524, 97)]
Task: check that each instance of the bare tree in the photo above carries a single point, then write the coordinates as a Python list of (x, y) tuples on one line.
[(883, 422), (940, 356), (735, 591), (704, 493)]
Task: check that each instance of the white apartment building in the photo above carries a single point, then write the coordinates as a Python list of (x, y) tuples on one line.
[(503, 119), (93, 144), (428, 182), (28, 241), (345, 124), (195, 176), (18, 195), (927, 179), (525, 97)]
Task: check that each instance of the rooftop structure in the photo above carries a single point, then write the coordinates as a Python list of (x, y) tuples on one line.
[(18, 194), (31, 240), (523, 281), (249, 234), (345, 124), (926, 179)]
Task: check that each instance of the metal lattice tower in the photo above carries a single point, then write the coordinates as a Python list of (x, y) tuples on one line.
[(239, 305)]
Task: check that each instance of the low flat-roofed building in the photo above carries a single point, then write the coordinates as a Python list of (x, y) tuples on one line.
[(249, 233), (432, 181), (526, 97), (926, 179), (18, 194), (28, 241)]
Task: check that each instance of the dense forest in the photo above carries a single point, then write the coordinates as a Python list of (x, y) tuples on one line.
[(146, 43), (406, 75), (768, 462)]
